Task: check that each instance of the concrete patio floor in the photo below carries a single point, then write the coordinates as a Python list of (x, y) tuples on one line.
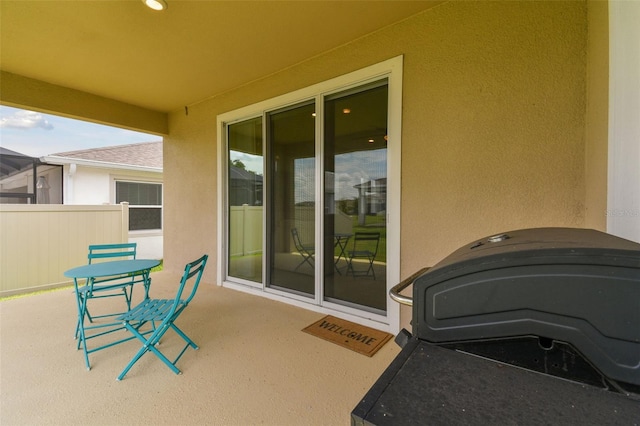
[(254, 366)]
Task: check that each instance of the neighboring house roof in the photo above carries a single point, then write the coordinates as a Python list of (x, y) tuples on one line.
[(379, 183), (242, 174), (147, 155), (12, 162), (5, 151)]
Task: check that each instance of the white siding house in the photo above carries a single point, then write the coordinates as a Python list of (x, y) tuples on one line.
[(126, 173)]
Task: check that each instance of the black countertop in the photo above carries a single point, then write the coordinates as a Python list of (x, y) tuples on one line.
[(431, 385)]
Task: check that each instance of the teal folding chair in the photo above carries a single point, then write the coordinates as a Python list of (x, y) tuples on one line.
[(162, 314), (365, 247), (118, 286), (306, 251)]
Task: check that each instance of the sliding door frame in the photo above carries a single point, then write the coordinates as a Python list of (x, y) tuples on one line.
[(392, 71)]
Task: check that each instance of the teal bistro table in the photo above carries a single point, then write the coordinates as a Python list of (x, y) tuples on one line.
[(91, 273), (341, 241)]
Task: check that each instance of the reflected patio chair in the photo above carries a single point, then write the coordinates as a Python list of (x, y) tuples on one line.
[(365, 246), (305, 250), (162, 314), (118, 286)]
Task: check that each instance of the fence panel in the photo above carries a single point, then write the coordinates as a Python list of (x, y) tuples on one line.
[(245, 230), (41, 241)]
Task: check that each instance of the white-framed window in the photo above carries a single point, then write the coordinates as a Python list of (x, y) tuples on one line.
[(145, 204), (299, 176)]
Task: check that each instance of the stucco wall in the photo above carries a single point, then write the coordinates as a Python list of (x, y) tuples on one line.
[(494, 119), (493, 134)]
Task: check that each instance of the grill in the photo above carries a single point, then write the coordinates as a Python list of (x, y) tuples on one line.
[(527, 327)]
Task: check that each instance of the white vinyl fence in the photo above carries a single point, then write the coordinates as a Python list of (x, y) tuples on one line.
[(38, 242), (245, 228), (245, 234)]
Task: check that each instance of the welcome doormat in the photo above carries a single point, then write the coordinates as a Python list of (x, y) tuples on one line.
[(364, 340)]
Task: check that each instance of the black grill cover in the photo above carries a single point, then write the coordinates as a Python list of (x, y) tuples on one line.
[(578, 286)]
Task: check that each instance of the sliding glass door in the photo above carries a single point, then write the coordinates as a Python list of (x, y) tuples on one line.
[(245, 200), (355, 197), (291, 203), (307, 199)]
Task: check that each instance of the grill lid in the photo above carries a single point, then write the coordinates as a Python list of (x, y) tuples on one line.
[(575, 286)]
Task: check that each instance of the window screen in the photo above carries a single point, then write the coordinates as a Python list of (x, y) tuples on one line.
[(145, 204)]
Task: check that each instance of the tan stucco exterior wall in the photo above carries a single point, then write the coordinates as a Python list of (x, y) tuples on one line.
[(493, 132)]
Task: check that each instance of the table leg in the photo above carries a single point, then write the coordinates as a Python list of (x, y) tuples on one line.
[(82, 310), (94, 330), (147, 282), (341, 242)]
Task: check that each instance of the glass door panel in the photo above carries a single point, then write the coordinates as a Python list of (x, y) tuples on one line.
[(355, 197), (245, 179), (291, 200)]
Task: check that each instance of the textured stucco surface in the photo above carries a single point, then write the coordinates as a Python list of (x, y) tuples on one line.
[(493, 131), (254, 366)]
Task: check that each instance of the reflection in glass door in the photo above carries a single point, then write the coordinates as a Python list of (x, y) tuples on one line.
[(245, 211), (291, 200), (346, 264), (355, 198)]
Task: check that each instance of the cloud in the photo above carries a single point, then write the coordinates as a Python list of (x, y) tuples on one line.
[(25, 120)]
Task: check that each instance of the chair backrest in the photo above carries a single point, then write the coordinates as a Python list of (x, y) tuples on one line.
[(120, 251), (192, 269), (296, 239), (366, 241)]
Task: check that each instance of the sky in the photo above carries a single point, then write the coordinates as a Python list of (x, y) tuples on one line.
[(37, 134)]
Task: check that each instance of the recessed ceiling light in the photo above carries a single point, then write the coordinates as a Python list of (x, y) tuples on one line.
[(346, 111), (156, 4), (371, 141)]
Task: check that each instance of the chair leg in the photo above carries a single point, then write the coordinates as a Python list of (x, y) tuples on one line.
[(184, 337), (143, 350), (128, 296), (305, 259), (354, 273), (350, 267), (164, 359), (373, 272), (138, 355), (149, 345)]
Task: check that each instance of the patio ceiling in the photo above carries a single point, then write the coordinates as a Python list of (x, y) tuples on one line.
[(164, 61)]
